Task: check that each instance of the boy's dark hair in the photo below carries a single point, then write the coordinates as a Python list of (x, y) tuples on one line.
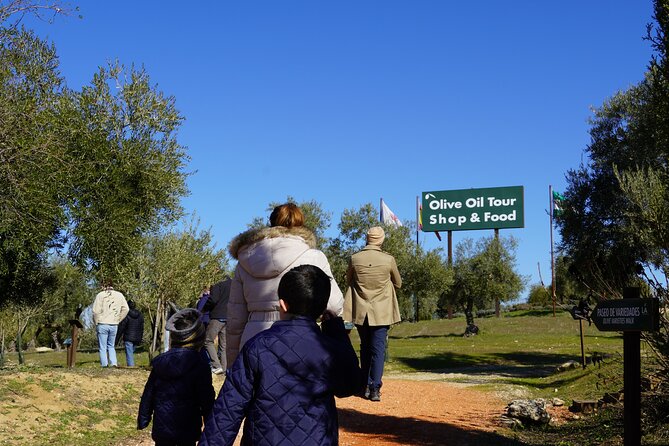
[(306, 290)]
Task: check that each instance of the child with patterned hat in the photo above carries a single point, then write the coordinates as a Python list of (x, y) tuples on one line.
[(179, 391)]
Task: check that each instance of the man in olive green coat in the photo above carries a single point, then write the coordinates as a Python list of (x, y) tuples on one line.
[(371, 304)]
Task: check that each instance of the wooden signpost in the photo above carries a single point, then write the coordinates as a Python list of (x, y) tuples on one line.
[(72, 347), (631, 315)]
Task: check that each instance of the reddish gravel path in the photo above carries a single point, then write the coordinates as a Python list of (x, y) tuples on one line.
[(416, 413)]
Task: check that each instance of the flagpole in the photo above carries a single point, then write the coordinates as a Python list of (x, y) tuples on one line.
[(417, 220), (381, 210), (550, 207)]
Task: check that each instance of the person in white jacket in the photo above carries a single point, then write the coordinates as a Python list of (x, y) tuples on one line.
[(264, 255), (109, 309)]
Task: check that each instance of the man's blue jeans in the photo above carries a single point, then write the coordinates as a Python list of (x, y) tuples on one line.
[(372, 352), (129, 354), (106, 340)]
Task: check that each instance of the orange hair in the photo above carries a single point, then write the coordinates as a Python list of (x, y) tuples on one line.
[(288, 215)]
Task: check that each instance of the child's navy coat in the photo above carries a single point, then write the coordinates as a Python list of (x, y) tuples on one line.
[(284, 383), (178, 394)]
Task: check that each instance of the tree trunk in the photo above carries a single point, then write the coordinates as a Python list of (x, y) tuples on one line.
[(469, 312), (156, 324), (18, 342), (2, 349), (54, 336), (497, 307), (471, 329)]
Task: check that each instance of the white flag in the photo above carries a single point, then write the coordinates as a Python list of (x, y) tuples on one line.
[(388, 217)]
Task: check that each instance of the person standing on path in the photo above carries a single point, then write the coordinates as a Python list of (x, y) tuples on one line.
[(200, 305), (217, 306), (371, 304), (131, 329), (284, 382), (109, 309), (263, 256)]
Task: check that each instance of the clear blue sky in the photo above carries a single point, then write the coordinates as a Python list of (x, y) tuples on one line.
[(348, 101)]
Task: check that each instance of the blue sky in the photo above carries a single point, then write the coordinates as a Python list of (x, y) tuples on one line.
[(347, 101)]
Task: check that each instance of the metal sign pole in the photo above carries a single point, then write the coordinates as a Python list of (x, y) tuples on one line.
[(632, 379)]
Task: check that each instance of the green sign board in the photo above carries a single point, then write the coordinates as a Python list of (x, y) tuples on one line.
[(627, 315), (470, 209)]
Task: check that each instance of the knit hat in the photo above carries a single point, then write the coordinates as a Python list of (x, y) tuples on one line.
[(375, 236), (186, 329)]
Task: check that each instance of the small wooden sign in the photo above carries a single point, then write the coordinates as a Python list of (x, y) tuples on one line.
[(627, 315)]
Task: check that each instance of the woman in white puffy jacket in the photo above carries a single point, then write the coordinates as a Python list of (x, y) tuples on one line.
[(263, 256)]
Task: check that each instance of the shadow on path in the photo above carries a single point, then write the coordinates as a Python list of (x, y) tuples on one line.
[(412, 431)]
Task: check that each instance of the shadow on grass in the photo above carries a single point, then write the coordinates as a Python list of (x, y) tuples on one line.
[(516, 364), (411, 431), (548, 312), (450, 335)]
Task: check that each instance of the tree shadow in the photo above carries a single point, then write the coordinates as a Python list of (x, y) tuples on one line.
[(514, 365), (412, 431), (548, 312), (449, 335)]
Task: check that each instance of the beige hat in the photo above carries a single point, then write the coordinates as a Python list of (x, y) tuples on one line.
[(375, 236)]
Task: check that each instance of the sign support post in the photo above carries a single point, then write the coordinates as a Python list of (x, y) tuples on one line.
[(632, 378), (580, 326), (631, 315)]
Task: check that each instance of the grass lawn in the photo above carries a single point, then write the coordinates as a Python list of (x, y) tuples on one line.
[(520, 350), (515, 341)]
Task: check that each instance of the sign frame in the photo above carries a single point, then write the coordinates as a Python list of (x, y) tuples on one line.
[(473, 209), (631, 314)]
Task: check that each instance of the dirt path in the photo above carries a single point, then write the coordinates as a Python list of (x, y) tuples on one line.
[(416, 413)]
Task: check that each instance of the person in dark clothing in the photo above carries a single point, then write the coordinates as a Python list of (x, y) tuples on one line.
[(201, 302), (179, 392), (217, 306), (131, 329), (285, 378)]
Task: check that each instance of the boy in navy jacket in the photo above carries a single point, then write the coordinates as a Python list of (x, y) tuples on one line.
[(285, 378)]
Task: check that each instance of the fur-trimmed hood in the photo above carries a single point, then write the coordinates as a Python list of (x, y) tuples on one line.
[(255, 235), (268, 252)]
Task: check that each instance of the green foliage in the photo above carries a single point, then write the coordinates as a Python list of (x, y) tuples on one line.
[(58, 304), (485, 271), (568, 287), (173, 266), (70, 289), (630, 136), (540, 295), (33, 160), (614, 225), (90, 171), (132, 170), (425, 275), (353, 225), (315, 218)]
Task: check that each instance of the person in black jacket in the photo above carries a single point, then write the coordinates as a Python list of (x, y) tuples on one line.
[(179, 391), (131, 329)]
